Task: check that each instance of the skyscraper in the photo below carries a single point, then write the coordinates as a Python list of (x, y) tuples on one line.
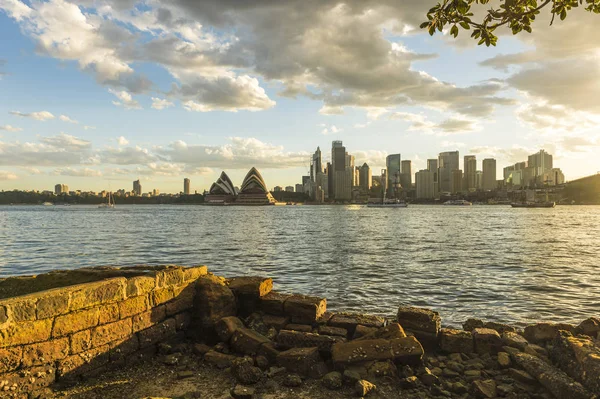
[(457, 181), (406, 175), (447, 162), (425, 184), (342, 177), (137, 187), (61, 189), (365, 177), (186, 186), (470, 167), (316, 166), (393, 165), (540, 163), (489, 174), (432, 165)]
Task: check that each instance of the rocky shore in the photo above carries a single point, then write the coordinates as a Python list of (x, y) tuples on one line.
[(243, 340)]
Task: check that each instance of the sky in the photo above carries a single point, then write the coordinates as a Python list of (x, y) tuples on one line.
[(97, 93)]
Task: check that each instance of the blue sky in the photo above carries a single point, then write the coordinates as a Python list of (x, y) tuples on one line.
[(99, 93)]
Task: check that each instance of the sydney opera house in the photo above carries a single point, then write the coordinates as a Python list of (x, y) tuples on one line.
[(252, 192)]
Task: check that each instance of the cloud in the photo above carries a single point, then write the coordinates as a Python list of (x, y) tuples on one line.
[(84, 172), (420, 123), (67, 142), (40, 116), (10, 128), (126, 156), (65, 118), (125, 100), (5, 175), (551, 119), (332, 129), (159, 103), (122, 140), (89, 127)]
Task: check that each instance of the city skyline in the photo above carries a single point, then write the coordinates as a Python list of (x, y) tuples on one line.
[(101, 116)]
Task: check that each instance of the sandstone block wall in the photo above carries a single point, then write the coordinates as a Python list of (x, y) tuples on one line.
[(65, 332)]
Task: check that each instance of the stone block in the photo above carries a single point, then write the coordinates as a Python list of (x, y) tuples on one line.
[(391, 331), (149, 318), (22, 309), (169, 277), (160, 296), (272, 303), (541, 332), (247, 341), (349, 321), (407, 350), (333, 331), (81, 341), (514, 340), (54, 303), (157, 333), (45, 352), (455, 341), (590, 327), (403, 350), (500, 327), (299, 327), (487, 341), (106, 333), (76, 321), (25, 332), (218, 359), (419, 320), (28, 380), (140, 285), (251, 286), (10, 359), (304, 361), (213, 300), (193, 273), (472, 324), (304, 309), (277, 322), (361, 331), (579, 358), (227, 326), (269, 351), (183, 320), (181, 303), (82, 363), (108, 313), (98, 293), (133, 306), (297, 339)]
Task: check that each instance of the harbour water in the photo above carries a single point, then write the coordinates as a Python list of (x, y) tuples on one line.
[(491, 262)]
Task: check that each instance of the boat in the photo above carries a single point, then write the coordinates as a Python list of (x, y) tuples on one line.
[(458, 203), (48, 203), (110, 204), (530, 204), (389, 203)]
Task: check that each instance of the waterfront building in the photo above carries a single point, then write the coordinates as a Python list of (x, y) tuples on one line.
[(406, 175), (456, 182), (489, 174), (137, 187), (342, 177), (305, 180), (299, 188), (155, 192), (470, 175), (507, 171), (553, 177), (432, 165), (221, 191), (186, 186), (316, 166), (447, 163), (254, 190), (425, 184), (60, 189), (329, 191), (365, 179), (479, 180), (277, 189), (393, 164), (289, 189), (540, 162)]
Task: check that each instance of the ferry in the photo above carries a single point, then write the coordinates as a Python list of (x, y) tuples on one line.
[(458, 203), (388, 203), (48, 204)]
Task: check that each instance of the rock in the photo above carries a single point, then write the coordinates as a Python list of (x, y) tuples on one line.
[(429, 379), (245, 372), (222, 347), (409, 382), (382, 369), (247, 341), (360, 331), (554, 380), (333, 331), (296, 339), (213, 300), (472, 324), (473, 373), (268, 350), (423, 323), (201, 349), (292, 380), (351, 377), (305, 361), (219, 360), (459, 388), (299, 327), (273, 371), (391, 331), (273, 302), (226, 326), (255, 322), (540, 333), (261, 362), (403, 350), (182, 375), (536, 350), (451, 340), (436, 371), (590, 327), (483, 389), (278, 322), (501, 328), (332, 380), (579, 357), (171, 360), (350, 321), (486, 340), (522, 376), (450, 373), (304, 309), (505, 389), (363, 388), (242, 392), (164, 348), (503, 360), (251, 286), (514, 340)]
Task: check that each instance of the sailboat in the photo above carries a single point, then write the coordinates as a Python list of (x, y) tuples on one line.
[(110, 203), (536, 204), (389, 202)]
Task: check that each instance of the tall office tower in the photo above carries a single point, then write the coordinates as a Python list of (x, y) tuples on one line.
[(456, 181), (316, 165), (425, 184), (186, 186), (470, 176), (137, 187), (65, 189), (289, 189), (155, 192), (330, 192), (393, 164), (406, 175), (489, 174), (58, 189), (342, 180), (479, 180), (432, 165), (540, 163), (365, 179), (305, 180), (447, 162)]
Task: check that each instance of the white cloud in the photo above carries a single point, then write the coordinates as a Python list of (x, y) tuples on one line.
[(5, 175), (89, 127), (449, 126), (122, 140), (10, 128), (40, 116), (125, 99), (83, 172), (331, 129), (66, 142), (65, 118), (159, 103)]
